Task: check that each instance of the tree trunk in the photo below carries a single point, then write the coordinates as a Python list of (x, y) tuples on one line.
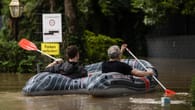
[(70, 15), (52, 4)]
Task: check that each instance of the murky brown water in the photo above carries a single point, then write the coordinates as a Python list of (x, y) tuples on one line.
[(149, 101), (174, 74)]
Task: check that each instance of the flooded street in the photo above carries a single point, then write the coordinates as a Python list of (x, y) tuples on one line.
[(149, 101), (173, 73)]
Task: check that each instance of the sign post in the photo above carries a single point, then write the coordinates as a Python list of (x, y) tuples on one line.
[(52, 27), (52, 33), (50, 48)]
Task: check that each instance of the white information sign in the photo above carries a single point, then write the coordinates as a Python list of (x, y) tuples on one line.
[(52, 27)]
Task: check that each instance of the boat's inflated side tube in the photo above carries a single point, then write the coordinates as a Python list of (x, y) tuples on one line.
[(53, 84), (113, 84)]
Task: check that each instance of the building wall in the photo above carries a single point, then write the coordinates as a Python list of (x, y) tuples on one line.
[(175, 38), (171, 47)]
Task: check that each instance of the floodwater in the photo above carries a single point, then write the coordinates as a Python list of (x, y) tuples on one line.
[(175, 74)]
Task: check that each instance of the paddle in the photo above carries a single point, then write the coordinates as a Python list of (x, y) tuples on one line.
[(28, 45), (168, 92)]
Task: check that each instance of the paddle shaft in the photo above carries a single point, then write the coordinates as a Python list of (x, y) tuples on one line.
[(46, 54), (146, 68)]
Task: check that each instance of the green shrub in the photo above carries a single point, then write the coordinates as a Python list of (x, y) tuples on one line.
[(193, 91), (16, 60), (97, 45)]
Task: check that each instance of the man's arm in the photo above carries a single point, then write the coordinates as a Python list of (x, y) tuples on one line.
[(139, 73), (57, 61)]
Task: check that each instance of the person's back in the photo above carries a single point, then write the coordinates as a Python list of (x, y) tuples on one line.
[(70, 68), (114, 64)]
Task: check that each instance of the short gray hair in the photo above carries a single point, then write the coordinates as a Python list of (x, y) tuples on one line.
[(114, 51)]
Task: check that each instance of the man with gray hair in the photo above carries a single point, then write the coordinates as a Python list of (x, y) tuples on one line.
[(115, 65), (114, 52)]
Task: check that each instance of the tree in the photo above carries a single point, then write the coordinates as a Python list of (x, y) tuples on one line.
[(156, 11), (70, 14)]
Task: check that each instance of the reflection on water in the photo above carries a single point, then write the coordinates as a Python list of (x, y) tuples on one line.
[(174, 74), (13, 82), (149, 101)]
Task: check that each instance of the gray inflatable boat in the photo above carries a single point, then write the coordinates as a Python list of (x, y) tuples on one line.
[(96, 84)]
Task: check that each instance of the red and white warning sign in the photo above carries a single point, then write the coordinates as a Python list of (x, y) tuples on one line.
[(52, 27)]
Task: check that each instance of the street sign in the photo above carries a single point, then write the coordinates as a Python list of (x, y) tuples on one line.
[(52, 27), (50, 48)]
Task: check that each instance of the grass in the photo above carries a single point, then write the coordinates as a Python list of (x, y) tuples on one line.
[(192, 90)]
